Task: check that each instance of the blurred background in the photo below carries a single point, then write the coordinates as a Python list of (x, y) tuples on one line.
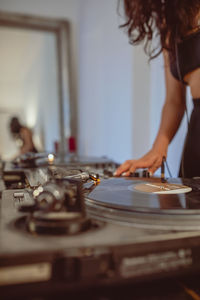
[(117, 93)]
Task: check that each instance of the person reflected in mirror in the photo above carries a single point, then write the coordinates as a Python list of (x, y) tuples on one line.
[(176, 23), (23, 136)]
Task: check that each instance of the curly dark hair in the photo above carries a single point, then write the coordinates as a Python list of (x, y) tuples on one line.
[(169, 19)]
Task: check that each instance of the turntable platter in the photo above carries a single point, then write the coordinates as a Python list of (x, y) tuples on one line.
[(172, 205)]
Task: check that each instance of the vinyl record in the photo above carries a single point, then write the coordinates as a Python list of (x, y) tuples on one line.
[(174, 204)]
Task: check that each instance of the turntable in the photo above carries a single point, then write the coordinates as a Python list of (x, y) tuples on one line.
[(77, 229), (147, 202)]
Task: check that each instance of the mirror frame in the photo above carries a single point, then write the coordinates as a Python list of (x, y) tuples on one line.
[(61, 29)]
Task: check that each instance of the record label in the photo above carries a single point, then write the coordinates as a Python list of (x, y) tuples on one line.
[(161, 188)]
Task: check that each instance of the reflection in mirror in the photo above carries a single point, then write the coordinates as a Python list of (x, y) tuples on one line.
[(28, 87), (34, 81)]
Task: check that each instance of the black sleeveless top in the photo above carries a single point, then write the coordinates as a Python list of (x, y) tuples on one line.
[(187, 56)]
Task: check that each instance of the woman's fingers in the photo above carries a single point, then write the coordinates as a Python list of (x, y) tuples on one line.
[(124, 167), (130, 166), (152, 162), (138, 164)]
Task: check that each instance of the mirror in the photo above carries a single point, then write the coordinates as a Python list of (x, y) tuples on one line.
[(34, 81)]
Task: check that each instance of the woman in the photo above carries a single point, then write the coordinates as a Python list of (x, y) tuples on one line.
[(177, 24), (23, 136)]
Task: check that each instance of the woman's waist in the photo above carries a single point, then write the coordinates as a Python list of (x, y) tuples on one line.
[(196, 102)]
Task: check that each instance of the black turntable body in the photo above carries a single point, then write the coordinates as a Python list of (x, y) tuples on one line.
[(74, 230)]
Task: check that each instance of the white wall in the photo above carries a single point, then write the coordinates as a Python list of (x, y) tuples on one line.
[(111, 75), (141, 118)]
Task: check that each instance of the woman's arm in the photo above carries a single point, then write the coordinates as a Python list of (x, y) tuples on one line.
[(172, 114)]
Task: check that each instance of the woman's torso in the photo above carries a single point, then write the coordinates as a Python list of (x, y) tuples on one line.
[(186, 64), (27, 140)]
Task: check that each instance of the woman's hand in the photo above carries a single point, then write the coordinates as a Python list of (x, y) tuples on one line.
[(152, 161)]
